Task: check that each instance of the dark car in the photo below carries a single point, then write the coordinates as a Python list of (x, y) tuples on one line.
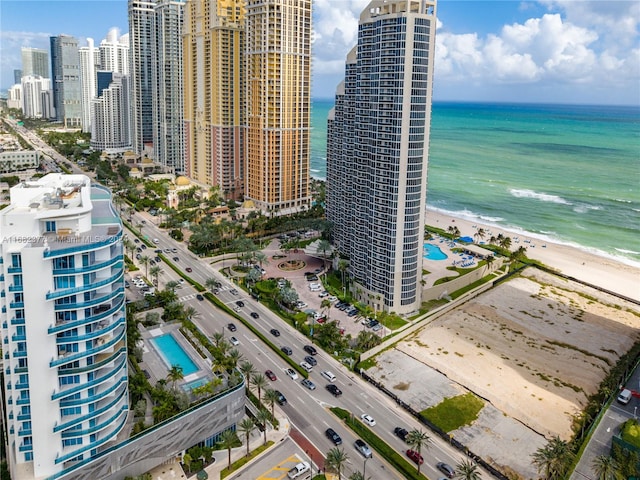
[(333, 436), (254, 315), (401, 433), (286, 350), (334, 390), (275, 332), (270, 375), (199, 297), (231, 327), (308, 383), (240, 303), (310, 360), (446, 469), (415, 456), (189, 269), (157, 259), (282, 400), (175, 259), (310, 349)]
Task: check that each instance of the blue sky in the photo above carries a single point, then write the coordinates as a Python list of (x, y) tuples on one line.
[(544, 51)]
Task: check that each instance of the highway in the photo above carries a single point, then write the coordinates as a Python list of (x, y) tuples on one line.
[(307, 410)]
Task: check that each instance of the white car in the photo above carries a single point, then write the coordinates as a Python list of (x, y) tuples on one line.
[(299, 470), (291, 373), (368, 419), (307, 366), (328, 375), (234, 341)]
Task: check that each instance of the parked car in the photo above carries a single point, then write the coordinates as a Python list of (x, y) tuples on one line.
[(368, 419), (298, 470), (333, 389), (286, 350), (291, 373), (415, 456), (333, 436), (275, 332), (308, 383), (401, 433), (270, 375), (363, 448), (310, 349), (446, 469)]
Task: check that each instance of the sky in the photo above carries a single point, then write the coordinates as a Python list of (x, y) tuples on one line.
[(544, 51)]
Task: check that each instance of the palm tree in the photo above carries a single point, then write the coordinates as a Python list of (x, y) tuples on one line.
[(144, 260), (270, 398), (175, 374), (489, 260), (324, 246), (247, 369), (155, 271), (190, 313), (325, 304), (228, 440), (342, 267), (336, 458), (247, 427), (233, 357), (264, 418), (357, 476), (553, 459), (481, 233), (129, 245), (211, 283), (171, 285), (606, 468), (467, 470), (140, 225), (218, 338), (418, 439), (260, 381)]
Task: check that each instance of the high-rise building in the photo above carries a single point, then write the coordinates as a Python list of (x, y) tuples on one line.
[(114, 52), (141, 40), (278, 103), (35, 62), (214, 93), (14, 96), (33, 99), (63, 324), (67, 90), (17, 76), (168, 123), (110, 130), (89, 58), (377, 153)]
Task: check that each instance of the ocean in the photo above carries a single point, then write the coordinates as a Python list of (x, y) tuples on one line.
[(568, 174)]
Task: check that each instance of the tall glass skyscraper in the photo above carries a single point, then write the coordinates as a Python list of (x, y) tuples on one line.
[(377, 153), (65, 78), (35, 62), (278, 104)]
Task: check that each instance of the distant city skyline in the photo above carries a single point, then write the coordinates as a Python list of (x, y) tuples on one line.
[(546, 51)]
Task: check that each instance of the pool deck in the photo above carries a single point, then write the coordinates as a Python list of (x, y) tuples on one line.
[(154, 365), (438, 268)]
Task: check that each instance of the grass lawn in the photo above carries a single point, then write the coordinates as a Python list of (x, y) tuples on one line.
[(455, 412), (631, 432)]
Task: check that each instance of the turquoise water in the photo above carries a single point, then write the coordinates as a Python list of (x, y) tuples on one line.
[(187, 387), (433, 252), (173, 354), (567, 174)]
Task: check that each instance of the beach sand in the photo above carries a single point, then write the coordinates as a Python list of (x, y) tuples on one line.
[(602, 272)]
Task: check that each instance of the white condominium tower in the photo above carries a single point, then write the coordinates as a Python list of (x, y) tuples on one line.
[(63, 324), (35, 62), (377, 153), (89, 64), (278, 80)]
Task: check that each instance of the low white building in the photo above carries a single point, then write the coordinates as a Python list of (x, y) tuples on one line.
[(14, 160)]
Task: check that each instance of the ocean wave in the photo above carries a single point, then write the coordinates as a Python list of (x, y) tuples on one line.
[(315, 170), (544, 197), (585, 208), (630, 252)]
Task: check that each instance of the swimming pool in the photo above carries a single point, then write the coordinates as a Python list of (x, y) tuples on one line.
[(173, 354), (187, 387), (433, 252)]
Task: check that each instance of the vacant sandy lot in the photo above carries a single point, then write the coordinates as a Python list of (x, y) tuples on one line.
[(535, 347)]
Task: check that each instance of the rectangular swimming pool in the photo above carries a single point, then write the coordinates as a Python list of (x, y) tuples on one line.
[(173, 354)]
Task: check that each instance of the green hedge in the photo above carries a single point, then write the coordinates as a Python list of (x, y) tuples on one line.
[(397, 461), (244, 460)]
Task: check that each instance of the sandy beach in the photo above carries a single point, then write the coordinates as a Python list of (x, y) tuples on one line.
[(600, 271)]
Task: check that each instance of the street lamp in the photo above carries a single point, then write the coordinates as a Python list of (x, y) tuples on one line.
[(364, 468), (310, 461), (635, 409)]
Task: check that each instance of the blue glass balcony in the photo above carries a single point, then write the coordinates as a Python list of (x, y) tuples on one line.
[(96, 366), (21, 418), (89, 352), (17, 321), (117, 370), (94, 414), (95, 318), (25, 448), (21, 386), (24, 433), (22, 401), (14, 270), (17, 338), (98, 427), (52, 253), (90, 303), (85, 288), (115, 261), (95, 334), (16, 305), (15, 288), (21, 354)]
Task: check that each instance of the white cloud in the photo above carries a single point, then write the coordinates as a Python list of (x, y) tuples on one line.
[(12, 42)]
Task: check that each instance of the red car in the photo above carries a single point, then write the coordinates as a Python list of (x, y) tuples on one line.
[(270, 375), (415, 456)]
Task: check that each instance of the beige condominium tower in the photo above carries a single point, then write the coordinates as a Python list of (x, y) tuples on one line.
[(214, 93), (278, 104)]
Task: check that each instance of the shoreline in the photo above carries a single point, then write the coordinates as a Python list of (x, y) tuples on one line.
[(601, 271)]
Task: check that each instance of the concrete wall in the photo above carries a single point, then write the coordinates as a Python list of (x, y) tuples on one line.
[(443, 289), (164, 441)]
